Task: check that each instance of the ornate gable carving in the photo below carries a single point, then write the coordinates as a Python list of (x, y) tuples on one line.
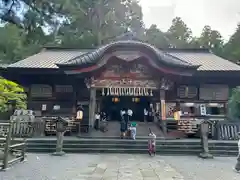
[(128, 70)]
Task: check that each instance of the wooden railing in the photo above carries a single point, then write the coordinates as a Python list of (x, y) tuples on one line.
[(12, 151), (226, 130), (26, 129)]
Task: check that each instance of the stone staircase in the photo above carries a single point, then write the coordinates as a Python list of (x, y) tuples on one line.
[(116, 145), (114, 130)]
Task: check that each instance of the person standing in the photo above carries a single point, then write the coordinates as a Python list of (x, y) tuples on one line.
[(125, 118), (79, 118), (122, 128), (237, 167), (133, 129), (130, 113), (152, 143), (145, 114), (122, 113), (97, 121)]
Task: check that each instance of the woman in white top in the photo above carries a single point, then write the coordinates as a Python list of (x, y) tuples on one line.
[(130, 113), (97, 121), (145, 114)]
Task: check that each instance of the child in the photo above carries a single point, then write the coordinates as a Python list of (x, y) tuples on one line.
[(152, 143), (133, 129)]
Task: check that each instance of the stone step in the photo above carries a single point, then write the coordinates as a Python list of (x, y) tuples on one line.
[(129, 141), (138, 151), (165, 147), (131, 146)]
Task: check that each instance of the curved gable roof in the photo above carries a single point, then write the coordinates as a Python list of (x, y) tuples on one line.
[(93, 56)]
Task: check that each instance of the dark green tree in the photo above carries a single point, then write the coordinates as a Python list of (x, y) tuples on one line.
[(232, 47), (211, 39), (156, 37), (179, 33), (234, 105)]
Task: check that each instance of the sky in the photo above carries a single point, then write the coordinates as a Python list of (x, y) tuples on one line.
[(221, 15)]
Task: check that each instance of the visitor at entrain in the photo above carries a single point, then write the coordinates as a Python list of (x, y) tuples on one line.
[(237, 167), (125, 117), (152, 143), (104, 123), (122, 113), (130, 113), (133, 130), (122, 128), (97, 120), (145, 114)]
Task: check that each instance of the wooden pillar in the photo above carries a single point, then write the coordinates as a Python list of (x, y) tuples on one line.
[(74, 103), (92, 106), (163, 111)]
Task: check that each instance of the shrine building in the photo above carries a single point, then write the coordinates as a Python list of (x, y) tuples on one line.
[(125, 73)]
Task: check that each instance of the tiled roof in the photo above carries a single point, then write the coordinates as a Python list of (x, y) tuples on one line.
[(48, 58), (207, 60), (203, 58), (93, 56)]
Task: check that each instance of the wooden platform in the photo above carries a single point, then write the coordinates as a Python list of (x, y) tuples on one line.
[(142, 131)]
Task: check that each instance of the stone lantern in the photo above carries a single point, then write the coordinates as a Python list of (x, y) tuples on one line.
[(204, 129), (61, 126)]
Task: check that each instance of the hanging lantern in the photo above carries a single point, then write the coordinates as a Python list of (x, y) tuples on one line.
[(115, 99), (137, 100)]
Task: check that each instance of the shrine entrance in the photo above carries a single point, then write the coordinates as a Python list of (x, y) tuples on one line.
[(112, 105), (128, 73)]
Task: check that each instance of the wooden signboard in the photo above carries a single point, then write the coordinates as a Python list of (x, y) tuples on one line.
[(213, 92), (187, 92)]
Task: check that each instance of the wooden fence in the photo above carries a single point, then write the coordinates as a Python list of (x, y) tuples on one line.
[(11, 151), (37, 128), (226, 130), (23, 129)]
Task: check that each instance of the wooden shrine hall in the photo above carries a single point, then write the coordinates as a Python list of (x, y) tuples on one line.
[(125, 73)]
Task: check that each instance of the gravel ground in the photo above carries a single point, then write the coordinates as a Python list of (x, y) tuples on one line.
[(120, 167)]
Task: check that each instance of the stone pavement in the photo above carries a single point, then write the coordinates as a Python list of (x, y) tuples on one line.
[(130, 167), (120, 167)]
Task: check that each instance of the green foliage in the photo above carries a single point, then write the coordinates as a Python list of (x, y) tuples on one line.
[(232, 47), (156, 37), (90, 23), (179, 33), (234, 105), (10, 91)]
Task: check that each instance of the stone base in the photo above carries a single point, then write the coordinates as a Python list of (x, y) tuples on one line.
[(206, 156), (61, 153), (5, 169)]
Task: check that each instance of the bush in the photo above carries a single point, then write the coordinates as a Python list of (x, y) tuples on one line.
[(11, 92), (234, 105)]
